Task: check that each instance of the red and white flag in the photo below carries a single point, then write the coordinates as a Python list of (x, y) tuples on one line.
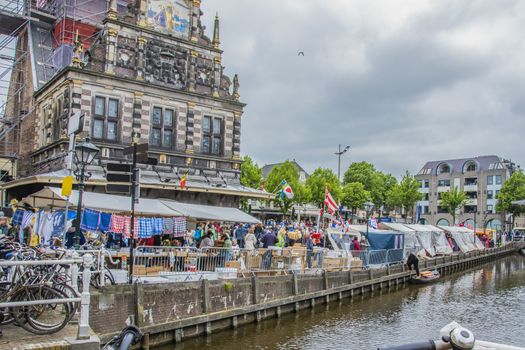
[(330, 203)]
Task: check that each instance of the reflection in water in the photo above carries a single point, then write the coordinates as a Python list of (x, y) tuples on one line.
[(487, 300)]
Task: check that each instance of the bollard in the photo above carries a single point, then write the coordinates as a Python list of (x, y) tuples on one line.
[(101, 265), (74, 272), (83, 325)]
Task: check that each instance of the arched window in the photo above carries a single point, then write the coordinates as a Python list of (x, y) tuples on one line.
[(443, 222), (444, 168), (494, 224), (469, 223), (470, 166)]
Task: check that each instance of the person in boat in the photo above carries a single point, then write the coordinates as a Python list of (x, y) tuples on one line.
[(413, 261)]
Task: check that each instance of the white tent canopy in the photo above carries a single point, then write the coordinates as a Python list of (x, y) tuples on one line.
[(411, 240), (50, 197), (211, 213)]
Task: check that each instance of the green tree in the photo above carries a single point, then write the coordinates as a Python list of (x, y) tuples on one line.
[(251, 173), (410, 189), (394, 197), (318, 181), (374, 181), (355, 196), (512, 190), (361, 172), (452, 200), (286, 171)]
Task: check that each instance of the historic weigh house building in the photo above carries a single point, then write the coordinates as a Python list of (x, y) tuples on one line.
[(129, 66)]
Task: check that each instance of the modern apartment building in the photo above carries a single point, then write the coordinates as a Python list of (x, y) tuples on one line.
[(481, 178)]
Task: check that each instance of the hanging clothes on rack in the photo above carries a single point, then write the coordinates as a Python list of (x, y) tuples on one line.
[(90, 220), (17, 217), (105, 221), (179, 226), (145, 228)]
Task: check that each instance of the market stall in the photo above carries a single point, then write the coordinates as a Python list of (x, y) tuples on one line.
[(412, 243)]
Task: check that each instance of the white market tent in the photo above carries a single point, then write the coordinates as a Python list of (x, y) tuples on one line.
[(424, 235), (411, 239), (460, 237), (51, 197), (472, 238)]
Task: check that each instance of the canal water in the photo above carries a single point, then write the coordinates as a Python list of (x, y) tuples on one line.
[(489, 300)]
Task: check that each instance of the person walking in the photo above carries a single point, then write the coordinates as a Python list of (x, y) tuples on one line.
[(309, 251), (250, 240), (207, 241)]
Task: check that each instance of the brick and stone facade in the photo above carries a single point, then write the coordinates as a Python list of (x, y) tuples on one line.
[(140, 77)]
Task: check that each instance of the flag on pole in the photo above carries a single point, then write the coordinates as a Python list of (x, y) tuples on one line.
[(330, 203), (183, 181), (286, 190)]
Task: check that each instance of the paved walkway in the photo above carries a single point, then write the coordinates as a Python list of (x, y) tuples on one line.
[(18, 338)]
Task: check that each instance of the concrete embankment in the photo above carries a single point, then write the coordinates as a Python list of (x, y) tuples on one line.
[(168, 313)]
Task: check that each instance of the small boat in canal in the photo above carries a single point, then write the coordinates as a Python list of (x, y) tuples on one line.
[(425, 277)]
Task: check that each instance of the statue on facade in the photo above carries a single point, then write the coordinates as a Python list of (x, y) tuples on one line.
[(236, 87)]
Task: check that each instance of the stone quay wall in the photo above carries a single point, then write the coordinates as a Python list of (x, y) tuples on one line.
[(171, 312)]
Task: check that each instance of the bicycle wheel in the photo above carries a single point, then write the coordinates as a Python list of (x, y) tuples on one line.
[(70, 293), (41, 319), (5, 314)]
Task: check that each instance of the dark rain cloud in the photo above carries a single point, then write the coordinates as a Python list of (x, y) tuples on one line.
[(402, 82)]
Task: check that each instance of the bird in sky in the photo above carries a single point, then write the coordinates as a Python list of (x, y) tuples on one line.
[(300, 53)]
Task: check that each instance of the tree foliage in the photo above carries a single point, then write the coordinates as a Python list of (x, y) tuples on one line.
[(361, 172), (318, 181), (286, 171), (374, 181), (452, 200), (355, 195), (512, 190), (404, 194), (251, 173)]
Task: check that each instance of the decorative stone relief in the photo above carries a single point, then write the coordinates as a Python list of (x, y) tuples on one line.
[(166, 64), (204, 71), (126, 52)]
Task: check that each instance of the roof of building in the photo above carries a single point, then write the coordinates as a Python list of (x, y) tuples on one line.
[(160, 180), (457, 165), (268, 168)]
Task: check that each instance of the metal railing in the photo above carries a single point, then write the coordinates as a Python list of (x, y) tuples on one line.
[(155, 261), (73, 265)]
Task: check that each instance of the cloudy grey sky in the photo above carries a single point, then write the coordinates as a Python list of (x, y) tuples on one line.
[(401, 81)]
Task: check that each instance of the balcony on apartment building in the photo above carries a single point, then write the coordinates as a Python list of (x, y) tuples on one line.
[(443, 186), (472, 198), (470, 184)]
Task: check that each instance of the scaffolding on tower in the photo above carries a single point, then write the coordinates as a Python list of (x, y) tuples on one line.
[(37, 39)]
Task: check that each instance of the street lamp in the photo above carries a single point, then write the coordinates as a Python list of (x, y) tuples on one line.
[(85, 153), (368, 207), (339, 154)]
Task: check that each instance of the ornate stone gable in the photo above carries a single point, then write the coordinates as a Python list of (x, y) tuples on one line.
[(166, 64)]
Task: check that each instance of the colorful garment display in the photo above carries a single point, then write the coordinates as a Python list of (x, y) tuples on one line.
[(145, 228), (59, 221), (168, 226), (179, 226), (17, 217), (105, 221), (90, 220), (158, 226)]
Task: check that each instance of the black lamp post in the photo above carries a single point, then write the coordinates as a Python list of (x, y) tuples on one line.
[(85, 153), (368, 207)]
